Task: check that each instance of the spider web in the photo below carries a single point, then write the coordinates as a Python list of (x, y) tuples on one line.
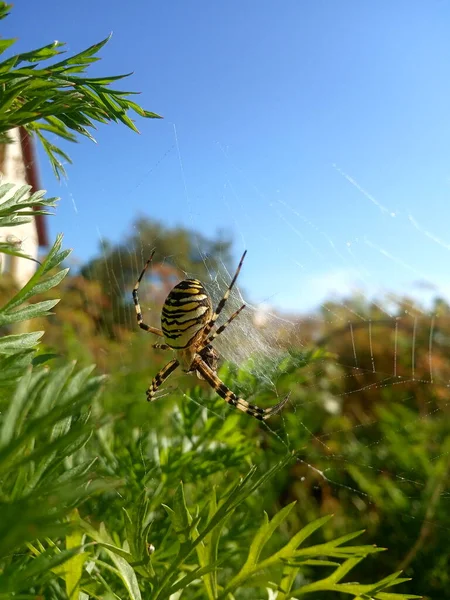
[(324, 297), (320, 298), (333, 305)]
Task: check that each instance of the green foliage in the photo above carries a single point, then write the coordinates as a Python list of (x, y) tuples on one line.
[(58, 99), (44, 422), (363, 467), (157, 537), (210, 541), (45, 419), (18, 208)]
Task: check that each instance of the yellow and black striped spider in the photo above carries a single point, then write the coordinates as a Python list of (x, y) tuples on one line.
[(187, 323)]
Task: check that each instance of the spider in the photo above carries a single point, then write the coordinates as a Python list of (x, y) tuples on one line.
[(187, 323)]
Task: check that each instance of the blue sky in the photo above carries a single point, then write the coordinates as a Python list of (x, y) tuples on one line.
[(316, 133)]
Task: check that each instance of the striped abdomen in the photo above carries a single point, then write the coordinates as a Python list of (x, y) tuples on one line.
[(186, 311)]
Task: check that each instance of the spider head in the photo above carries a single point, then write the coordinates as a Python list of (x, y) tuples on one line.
[(210, 356), (207, 354)]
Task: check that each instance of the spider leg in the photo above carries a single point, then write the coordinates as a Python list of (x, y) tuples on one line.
[(222, 327), (222, 303), (161, 346), (262, 414), (160, 377), (137, 306)]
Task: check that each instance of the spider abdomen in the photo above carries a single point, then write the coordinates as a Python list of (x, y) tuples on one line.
[(185, 313)]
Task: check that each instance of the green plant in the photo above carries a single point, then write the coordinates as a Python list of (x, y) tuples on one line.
[(58, 99), (44, 417), (210, 540), (45, 420)]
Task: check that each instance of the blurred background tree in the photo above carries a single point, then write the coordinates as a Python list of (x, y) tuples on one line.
[(179, 252)]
